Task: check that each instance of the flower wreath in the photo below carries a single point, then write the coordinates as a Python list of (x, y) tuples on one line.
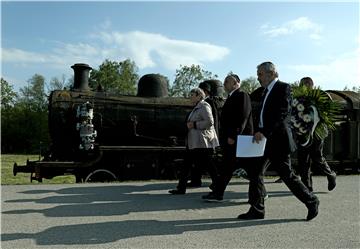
[(313, 113)]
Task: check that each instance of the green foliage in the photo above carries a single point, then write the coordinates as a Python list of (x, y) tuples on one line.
[(327, 109), (8, 96), (116, 77), (33, 96), (188, 77), (24, 126), (249, 85)]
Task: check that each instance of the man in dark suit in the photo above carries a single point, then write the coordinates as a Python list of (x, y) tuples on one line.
[(274, 125), (236, 119), (313, 152)]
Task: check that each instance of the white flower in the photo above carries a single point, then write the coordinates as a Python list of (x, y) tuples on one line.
[(301, 114), (293, 119), (300, 107), (302, 130), (295, 102), (296, 124), (307, 118)]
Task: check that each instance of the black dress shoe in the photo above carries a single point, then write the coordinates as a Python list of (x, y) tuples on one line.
[(212, 186), (331, 182), (177, 192), (252, 214), (313, 210), (212, 197)]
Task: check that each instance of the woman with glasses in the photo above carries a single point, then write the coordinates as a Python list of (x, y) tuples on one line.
[(201, 140)]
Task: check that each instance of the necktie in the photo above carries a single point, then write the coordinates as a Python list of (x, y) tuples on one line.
[(263, 97), (262, 107)]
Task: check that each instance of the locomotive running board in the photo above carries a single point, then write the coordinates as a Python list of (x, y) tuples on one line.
[(32, 166)]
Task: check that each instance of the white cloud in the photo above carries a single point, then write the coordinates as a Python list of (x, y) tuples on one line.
[(146, 49), (149, 50), (335, 74), (21, 56), (301, 24)]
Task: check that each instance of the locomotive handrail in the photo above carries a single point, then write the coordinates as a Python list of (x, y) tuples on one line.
[(174, 101), (135, 147), (352, 101)]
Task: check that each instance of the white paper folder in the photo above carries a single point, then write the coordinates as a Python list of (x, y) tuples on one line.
[(245, 147)]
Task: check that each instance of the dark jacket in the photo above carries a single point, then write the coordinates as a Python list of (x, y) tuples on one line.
[(276, 121), (236, 116), (216, 103)]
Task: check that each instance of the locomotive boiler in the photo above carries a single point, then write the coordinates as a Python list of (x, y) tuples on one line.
[(97, 135)]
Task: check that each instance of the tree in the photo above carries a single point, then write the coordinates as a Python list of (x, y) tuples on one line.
[(8, 96), (188, 77), (250, 84), (118, 77), (33, 96), (8, 101), (59, 84), (29, 119)]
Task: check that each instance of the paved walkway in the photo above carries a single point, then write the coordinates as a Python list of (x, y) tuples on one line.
[(144, 215)]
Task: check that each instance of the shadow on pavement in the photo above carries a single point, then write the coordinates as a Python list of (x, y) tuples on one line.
[(99, 233), (122, 199)]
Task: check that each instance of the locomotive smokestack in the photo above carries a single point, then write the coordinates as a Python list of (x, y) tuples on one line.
[(81, 76)]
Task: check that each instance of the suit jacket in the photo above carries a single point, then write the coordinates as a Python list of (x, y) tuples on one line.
[(203, 134), (236, 116), (276, 121)]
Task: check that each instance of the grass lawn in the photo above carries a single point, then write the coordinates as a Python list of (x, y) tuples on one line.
[(7, 177)]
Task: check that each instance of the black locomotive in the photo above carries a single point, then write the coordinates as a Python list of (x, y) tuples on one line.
[(96, 135), (100, 136)]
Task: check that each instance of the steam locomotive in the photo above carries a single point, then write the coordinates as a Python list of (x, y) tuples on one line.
[(100, 136), (97, 135)]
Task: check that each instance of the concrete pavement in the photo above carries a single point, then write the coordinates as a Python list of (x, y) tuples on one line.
[(144, 215)]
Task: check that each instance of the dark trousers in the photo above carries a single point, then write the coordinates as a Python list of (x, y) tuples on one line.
[(312, 156), (226, 169), (229, 164), (282, 164), (202, 159)]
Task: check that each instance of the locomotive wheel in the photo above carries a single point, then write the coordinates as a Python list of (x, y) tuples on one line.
[(101, 175)]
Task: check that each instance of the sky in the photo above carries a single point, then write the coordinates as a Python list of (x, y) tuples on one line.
[(320, 40)]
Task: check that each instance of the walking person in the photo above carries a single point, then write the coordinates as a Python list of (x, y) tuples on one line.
[(215, 104), (201, 140), (274, 125), (312, 155), (236, 119)]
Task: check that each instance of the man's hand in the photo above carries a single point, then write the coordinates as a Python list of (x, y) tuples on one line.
[(258, 136)]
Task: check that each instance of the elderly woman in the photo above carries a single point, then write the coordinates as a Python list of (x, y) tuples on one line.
[(201, 140)]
